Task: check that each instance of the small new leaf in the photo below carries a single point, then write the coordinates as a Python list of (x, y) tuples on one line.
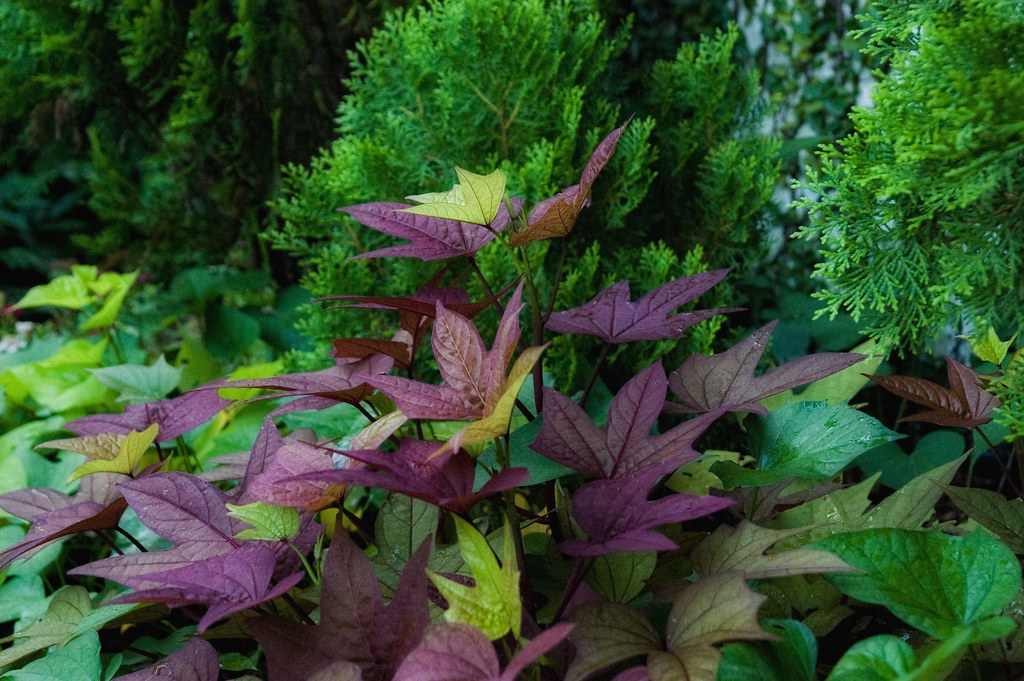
[(269, 522), (475, 199), (131, 449), (492, 604), (989, 348)]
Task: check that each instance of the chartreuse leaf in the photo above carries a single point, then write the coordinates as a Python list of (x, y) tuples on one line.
[(115, 287), (474, 199), (989, 348), (130, 452), (67, 607), (935, 582), (79, 660), (273, 523), (492, 604), (137, 383), (497, 422), (69, 290)]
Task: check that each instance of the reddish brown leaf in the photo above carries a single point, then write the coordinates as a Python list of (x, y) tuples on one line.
[(965, 403)]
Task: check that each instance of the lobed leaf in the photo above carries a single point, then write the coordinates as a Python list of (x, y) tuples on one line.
[(964, 403), (726, 380), (492, 604), (475, 199), (613, 318), (197, 661)]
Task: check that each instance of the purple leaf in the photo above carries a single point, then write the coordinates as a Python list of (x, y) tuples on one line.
[(197, 661), (49, 526), (181, 507), (228, 582), (282, 483), (175, 416), (444, 479), (474, 376), (343, 382), (617, 516), (726, 380), (431, 238), (625, 446), (461, 652), (612, 317), (355, 626), (33, 501)]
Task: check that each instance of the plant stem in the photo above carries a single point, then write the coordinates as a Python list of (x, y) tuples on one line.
[(593, 377), (579, 571), (1006, 473), (504, 459), (128, 535), (483, 280), (300, 614)]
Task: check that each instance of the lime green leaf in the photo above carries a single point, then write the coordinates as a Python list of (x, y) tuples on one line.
[(743, 548), (492, 604), (132, 447), (606, 633), (273, 523), (67, 607), (79, 660), (475, 199), (115, 287), (137, 383), (932, 581), (101, 446), (989, 348), (64, 291)]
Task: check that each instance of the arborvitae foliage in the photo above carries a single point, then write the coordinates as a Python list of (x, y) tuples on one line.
[(168, 120), (522, 86), (920, 208)]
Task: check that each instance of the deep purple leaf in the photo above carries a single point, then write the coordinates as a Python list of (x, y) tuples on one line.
[(175, 416), (726, 380), (33, 501), (343, 382), (354, 626), (538, 645), (197, 661), (417, 470), (965, 403), (281, 482), (451, 652), (430, 238), (617, 516), (49, 526), (612, 317), (228, 582), (474, 376), (181, 507), (625, 446)]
